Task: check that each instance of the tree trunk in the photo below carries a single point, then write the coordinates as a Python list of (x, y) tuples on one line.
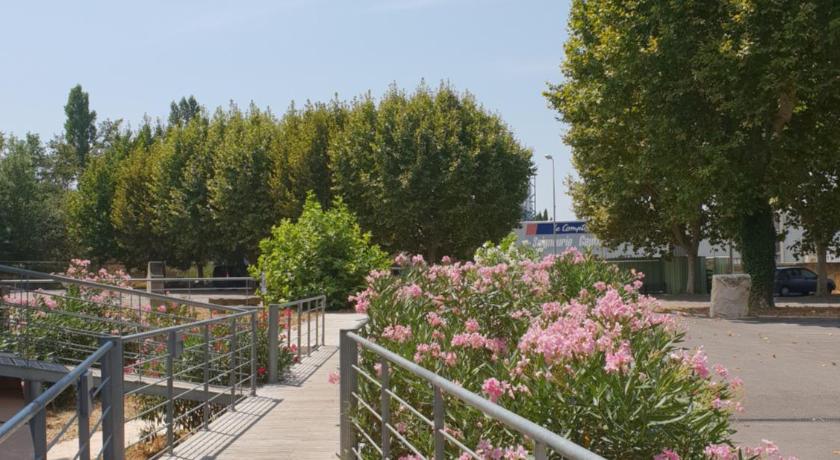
[(822, 272), (691, 257), (758, 253)]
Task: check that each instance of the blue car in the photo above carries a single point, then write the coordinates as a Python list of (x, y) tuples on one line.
[(797, 280)]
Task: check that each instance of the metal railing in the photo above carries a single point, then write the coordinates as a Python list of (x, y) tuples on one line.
[(189, 287), (35, 412), (187, 362), (297, 309), (355, 441)]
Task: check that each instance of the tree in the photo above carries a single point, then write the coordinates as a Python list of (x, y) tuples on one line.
[(186, 169), (772, 74), (639, 123), (80, 127), (431, 173), (740, 87), (136, 208), (301, 155), (182, 112), (91, 204), (32, 223), (239, 192), (323, 252)]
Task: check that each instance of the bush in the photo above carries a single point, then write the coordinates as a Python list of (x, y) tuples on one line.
[(324, 252), (567, 342)]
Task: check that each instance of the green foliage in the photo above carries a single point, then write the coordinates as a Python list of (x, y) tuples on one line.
[(324, 252), (32, 219), (509, 250), (239, 192), (432, 172), (80, 127), (182, 112)]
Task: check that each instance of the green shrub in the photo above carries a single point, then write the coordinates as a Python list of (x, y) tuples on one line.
[(324, 252)]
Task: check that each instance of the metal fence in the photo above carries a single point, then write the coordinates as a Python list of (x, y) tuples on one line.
[(189, 287), (168, 364), (294, 314), (356, 442)]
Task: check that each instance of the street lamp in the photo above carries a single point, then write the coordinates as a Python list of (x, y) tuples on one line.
[(553, 205)]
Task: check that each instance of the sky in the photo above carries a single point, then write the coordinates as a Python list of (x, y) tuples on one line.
[(134, 58)]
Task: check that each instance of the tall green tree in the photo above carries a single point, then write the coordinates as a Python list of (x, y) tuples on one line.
[(91, 204), (431, 172), (80, 126), (301, 155), (639, 123), (239, 192), (772, 74), (32, 220), (183, 111)]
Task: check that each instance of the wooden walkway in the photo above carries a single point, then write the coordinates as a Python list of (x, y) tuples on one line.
[(296, 420)]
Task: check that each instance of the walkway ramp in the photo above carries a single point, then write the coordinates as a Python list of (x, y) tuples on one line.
[(295, 420)]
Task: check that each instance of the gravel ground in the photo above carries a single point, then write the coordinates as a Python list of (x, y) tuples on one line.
[(791, 373)]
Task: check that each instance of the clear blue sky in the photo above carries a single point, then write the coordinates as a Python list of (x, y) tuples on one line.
[(135, 58)]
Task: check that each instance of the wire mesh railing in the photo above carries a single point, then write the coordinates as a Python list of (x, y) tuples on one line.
[(168, 365), (368, 429)]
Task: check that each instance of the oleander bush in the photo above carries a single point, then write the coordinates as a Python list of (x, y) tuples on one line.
[(567, 342)]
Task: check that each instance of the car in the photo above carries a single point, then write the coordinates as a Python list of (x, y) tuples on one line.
[(798, 280)]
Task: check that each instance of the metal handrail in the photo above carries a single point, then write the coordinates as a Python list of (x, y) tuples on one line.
[(124, 290), (316, 304), (541, 436), (32, 409)]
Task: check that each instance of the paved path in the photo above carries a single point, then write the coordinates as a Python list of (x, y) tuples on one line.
[(791, 373), (297, 420)]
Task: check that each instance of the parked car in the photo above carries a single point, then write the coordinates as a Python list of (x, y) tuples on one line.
[(798, 280)]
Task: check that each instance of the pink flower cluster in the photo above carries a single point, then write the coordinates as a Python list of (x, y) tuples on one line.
[(767, 450), (398, 333)]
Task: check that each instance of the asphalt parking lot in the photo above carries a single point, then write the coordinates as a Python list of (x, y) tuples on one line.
[(791, 373)]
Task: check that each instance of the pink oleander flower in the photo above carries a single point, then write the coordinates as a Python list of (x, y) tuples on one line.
[(446, 260), (410, 457), (516, 453), (619, 360), (449, 358), (401, 427), (435, 319), (333, 378), (161, 308), (600, 286), (417, 259), (412, 291), (666, 454), (494, 388), (469, 340), (471, 325), (401, 259), (398, 333)]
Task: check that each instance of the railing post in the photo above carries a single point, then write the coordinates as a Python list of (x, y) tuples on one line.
[(324, 320), (205, 416), (83, 399), (385, 408), (38, 424), (317, 328), (254, 353), (288, 313), (273, 319), (348, 357), (300, 342), (440, 424), (233, 364), (309, 328), (171, 343), (113, 422), (540, 452)]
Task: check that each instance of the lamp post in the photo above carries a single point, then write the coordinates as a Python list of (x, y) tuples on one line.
[(553, 205)]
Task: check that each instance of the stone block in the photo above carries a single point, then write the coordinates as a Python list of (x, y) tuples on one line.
[(730, 296)]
